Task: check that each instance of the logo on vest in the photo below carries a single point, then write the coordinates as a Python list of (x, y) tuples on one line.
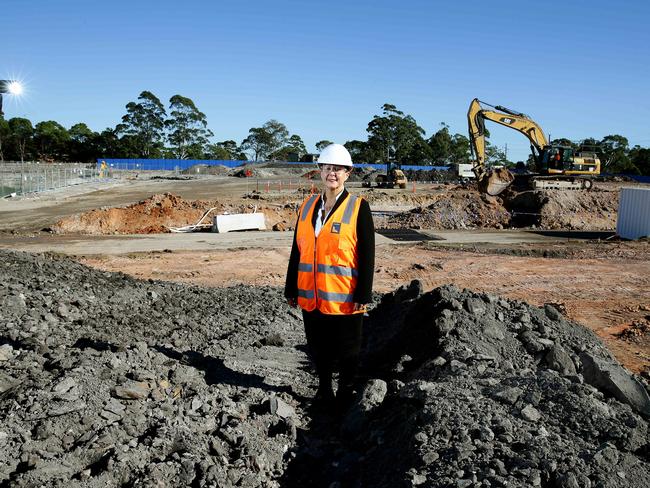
[(336, 228)]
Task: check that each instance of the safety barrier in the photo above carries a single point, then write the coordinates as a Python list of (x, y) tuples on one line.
[(33, 177)]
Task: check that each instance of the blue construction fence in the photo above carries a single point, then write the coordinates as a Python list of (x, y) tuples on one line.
[(182, 164), (164, 164)]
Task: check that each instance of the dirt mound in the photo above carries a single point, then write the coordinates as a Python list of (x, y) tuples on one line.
[(482, 391), (460, 207), (569, 209), (455, 209), (159, 212), (108, 381), (150, 216)]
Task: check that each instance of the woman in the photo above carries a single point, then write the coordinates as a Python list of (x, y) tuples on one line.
[(330, 275)]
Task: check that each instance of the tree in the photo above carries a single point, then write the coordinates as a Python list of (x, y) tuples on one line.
[(615, 148), (108, 144), (187, 125), (225, 150), (441, 145), (257, 142), (393, 136), (358, 150), (278, 134), (292, 151), (263, 141), (51, 139), (145, 122), (21, 134), (640, 160), (82, 143), (460, 151), (4, 136), (320, 145)]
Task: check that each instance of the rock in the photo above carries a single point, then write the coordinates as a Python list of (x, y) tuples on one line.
[(612, 378), (6, 352), (493, 330), (475, 306), (559, 360), (508, 395), (530, 413), (371, 396), (6, 382), (132, 390), (280, 408), (552, 313), (64, 385), (273, 340)]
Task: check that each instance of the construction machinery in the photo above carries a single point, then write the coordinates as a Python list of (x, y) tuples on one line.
[(393, 177), (556, 166)]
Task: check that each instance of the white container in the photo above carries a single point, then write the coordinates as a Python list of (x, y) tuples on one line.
[(633, 213)]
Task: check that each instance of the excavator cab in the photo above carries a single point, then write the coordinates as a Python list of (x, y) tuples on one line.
[(555, 159)]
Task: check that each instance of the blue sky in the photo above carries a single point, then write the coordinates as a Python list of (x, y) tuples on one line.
[(580, 69)]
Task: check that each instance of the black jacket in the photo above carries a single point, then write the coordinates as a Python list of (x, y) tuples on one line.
[(365, 252)]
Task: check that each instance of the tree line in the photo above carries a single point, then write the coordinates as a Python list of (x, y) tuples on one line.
[(149, 130)]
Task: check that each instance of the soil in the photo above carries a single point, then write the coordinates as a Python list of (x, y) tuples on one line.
[(159, 213)]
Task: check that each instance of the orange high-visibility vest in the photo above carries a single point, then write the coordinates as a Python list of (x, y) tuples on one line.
[(327, 273)]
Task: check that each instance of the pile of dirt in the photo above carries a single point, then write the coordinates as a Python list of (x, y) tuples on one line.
[(158, 213), (460, 207), (455, 209), (566, 209), (108, 381)]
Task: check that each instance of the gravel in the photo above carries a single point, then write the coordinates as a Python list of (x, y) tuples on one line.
[(107, 381)]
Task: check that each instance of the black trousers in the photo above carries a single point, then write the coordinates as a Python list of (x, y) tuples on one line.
[(334, 343)]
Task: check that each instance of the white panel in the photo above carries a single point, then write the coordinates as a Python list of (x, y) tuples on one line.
[(633, 213), (249, 221)]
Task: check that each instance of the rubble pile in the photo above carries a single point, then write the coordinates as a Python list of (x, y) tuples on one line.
[(106, 380), (566, 209), (111, 381), (483, 391), (158, 213), (455, 209)]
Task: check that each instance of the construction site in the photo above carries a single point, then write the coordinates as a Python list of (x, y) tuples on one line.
[(508, 342)]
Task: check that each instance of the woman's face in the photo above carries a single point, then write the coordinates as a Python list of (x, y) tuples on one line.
[(334, 176)]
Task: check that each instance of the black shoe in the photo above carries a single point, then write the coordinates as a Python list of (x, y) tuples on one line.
[(324, 398), (344, 399)]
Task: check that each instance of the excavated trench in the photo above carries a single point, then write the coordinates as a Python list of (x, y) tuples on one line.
[(106, 380)]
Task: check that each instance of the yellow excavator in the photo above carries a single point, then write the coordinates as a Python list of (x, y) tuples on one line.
[(557, 167)]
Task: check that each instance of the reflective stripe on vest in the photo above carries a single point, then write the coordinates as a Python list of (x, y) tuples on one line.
[(306, 293), (336, 270), (327, 268), (335, 297), (307, 208)]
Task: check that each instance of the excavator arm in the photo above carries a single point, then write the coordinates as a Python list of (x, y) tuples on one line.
[(495, 181)]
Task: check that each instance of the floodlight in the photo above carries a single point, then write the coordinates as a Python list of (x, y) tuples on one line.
[(11, 87), (15, 88)]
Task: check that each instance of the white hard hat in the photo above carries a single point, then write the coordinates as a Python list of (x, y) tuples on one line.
[(335, 154)]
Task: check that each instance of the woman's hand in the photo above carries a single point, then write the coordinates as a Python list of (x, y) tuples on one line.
[(293, 302), (360, 307)]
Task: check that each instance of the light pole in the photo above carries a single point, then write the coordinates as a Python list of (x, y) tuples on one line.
[(11, 87)]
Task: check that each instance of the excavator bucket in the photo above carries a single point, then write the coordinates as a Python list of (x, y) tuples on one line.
[(495, 181)]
